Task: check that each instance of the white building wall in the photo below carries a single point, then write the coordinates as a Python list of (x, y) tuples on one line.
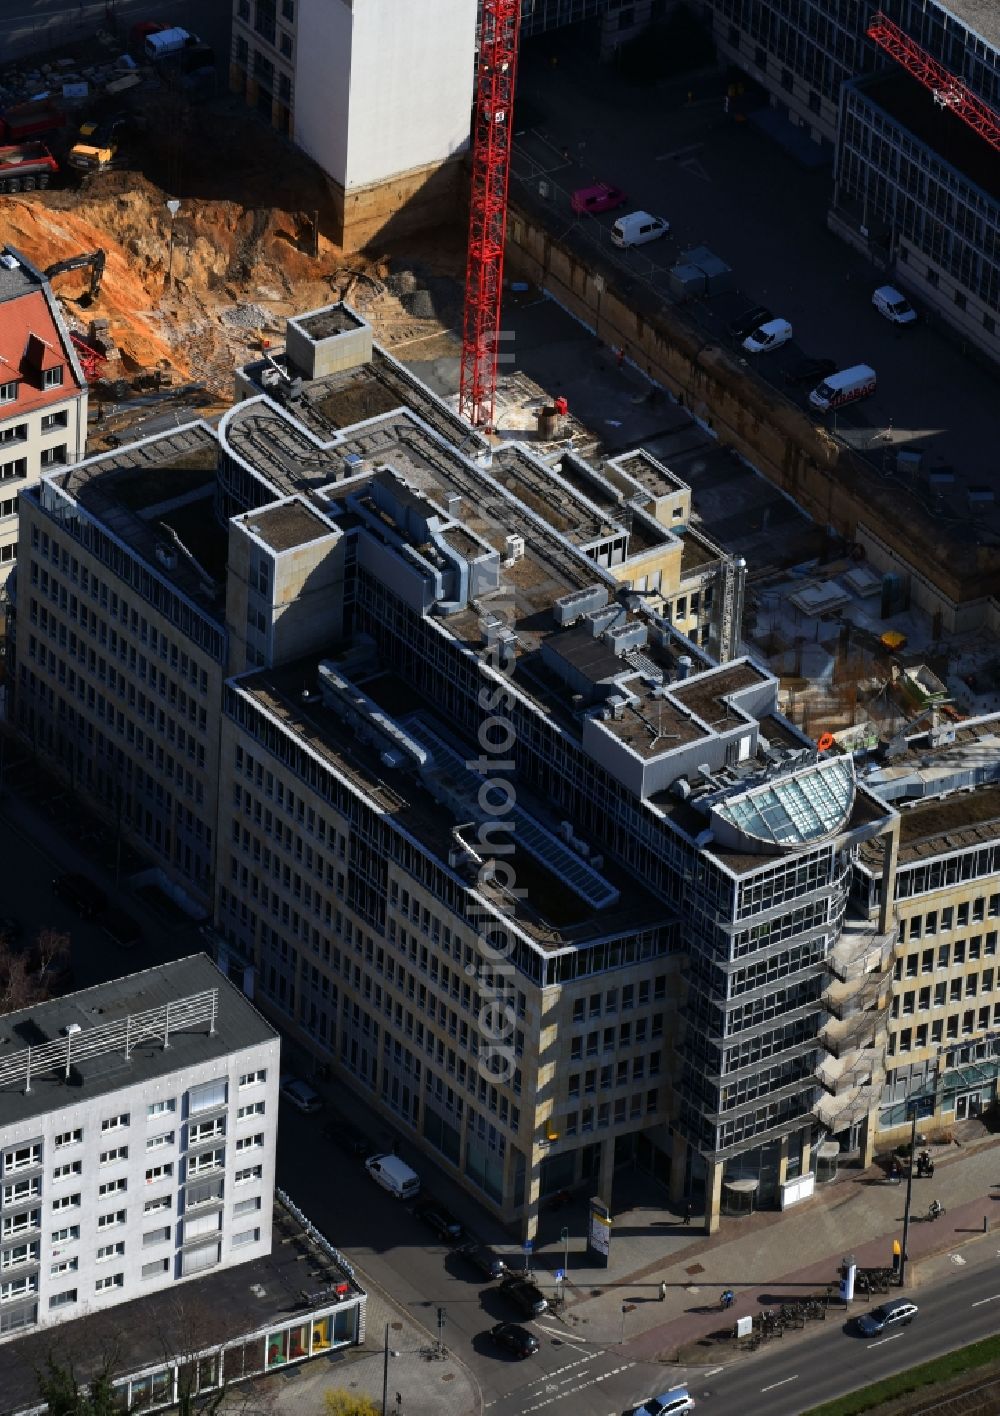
[(137, 1234), (383, 88)]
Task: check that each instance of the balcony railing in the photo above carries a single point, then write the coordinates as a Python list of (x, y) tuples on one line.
[(860, 950)]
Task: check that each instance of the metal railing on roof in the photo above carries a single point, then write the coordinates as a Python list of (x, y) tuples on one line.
[(80, 1044)]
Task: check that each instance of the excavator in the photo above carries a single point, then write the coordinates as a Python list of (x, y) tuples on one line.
[(95, 260)]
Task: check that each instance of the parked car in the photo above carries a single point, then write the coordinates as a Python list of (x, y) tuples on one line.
[(441, 1221), (348, 1137), (749, 321), (887, 1317), (516, 1339), (769, 336), (637, 228), (669, 1403), (81, 894), (893, 305), (394, 1175), (121, 928), (300, 1095), (810, 372), (600, 197), (482, 1258), (525, 1295)]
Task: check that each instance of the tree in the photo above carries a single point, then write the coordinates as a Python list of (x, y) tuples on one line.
[(59, 1388), (339, 1402)]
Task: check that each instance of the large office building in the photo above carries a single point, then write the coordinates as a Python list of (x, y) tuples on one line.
[(507, 832), (43, 394), (914, 187), (137, 1137)]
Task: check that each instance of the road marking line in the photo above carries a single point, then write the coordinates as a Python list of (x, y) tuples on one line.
[(678, 152), (981, 1301), (882, 1341), (714, 1372), (774, 1385)]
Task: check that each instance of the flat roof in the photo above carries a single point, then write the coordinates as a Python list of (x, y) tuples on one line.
[(104, 1066), (943, 824), (553, 913), (707, 694), (16, 280), (288, 525), (981, 16), (213, 1310)]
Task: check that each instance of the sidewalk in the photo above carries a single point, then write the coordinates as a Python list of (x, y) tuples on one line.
[(768, 1257), (427, 1385)]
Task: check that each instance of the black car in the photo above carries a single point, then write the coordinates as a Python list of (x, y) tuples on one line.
[(516, 1339), (482, 1258), (437, 1218), (749, 321), (525, 1295), (810, 371), (81, 894), (348, 1137)]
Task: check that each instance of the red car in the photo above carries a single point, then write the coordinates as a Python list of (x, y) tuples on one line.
[(600, 197)]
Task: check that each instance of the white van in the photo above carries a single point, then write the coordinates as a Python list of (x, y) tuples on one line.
[(637, 228), (163, 42), (767, 337), (893, 305), (859, 381), (393, 1175)]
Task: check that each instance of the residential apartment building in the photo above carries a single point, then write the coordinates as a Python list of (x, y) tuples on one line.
[(914, 187), (43, 394), (378, 94), (137, 1139)]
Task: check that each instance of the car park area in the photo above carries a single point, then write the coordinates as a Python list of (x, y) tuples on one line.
[(725, 186)]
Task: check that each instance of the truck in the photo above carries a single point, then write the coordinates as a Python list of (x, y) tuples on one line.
[(25, 167), (845, 386), (162, 43), (23, 121)]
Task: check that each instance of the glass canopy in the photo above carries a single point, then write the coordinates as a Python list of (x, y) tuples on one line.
[(794, 810)]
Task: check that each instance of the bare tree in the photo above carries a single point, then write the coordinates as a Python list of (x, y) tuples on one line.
[(50, 956), (17, 987)]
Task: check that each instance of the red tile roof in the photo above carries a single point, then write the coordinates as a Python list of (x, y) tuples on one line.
[(30, 343)]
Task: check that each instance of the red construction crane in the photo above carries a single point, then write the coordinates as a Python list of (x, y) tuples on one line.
[(949, 92), (492, 137)]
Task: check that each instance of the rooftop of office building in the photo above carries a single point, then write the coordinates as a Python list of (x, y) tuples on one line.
[(301, 1275), (157, 496), (980, 16), (120, 1034), (377, 731)]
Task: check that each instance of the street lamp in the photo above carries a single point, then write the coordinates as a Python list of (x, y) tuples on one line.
[(909, 1193), (385, 1376), (564, 1236), (173, 207)]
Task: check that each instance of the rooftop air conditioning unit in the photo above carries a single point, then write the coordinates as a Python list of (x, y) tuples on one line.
[(514, 547)]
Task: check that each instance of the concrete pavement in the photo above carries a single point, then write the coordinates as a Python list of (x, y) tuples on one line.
[(425, 1385), (766, 1256)]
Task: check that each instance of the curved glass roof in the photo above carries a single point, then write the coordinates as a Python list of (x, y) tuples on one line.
[(814, 802)]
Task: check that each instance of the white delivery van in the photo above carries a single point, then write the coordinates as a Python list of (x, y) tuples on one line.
[(845, 386), (767, 337), (393, 1175), (164, 42), (893, 305), (637, 228)]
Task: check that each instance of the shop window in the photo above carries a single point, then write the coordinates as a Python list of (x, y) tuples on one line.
[(277, 1349), (321, 1335), (298, 1342)]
